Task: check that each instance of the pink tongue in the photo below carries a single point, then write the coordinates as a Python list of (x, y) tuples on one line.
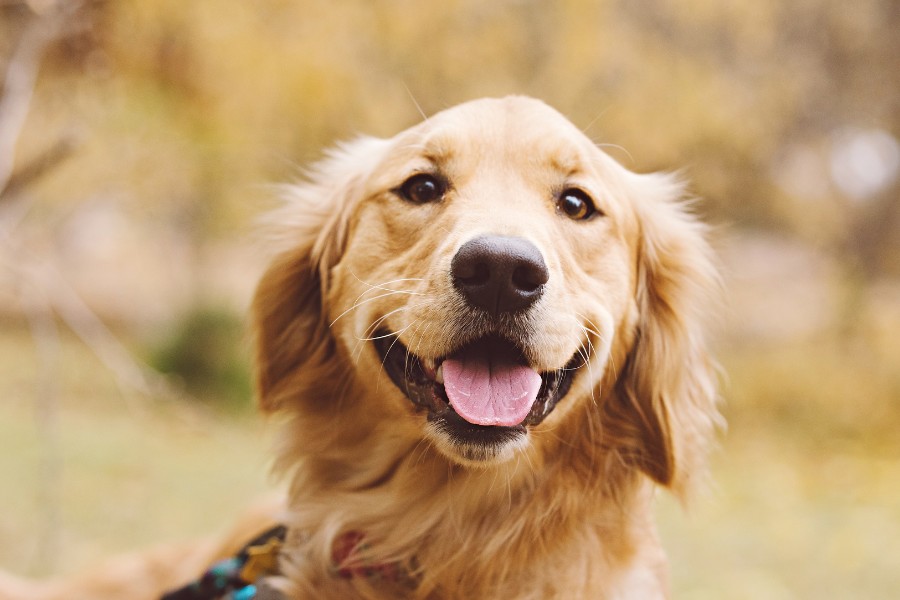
[(485, 389)]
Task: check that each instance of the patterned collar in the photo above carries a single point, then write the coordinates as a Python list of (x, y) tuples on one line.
[(242, 577), (239, 577)]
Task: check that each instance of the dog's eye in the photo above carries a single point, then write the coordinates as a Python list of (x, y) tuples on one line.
[(423, 188), (576, 204)]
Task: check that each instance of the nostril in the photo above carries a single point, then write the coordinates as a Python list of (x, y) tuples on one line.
[(472, 273), (530, 276)]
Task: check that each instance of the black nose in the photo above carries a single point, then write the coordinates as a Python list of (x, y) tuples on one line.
[(499, 274)]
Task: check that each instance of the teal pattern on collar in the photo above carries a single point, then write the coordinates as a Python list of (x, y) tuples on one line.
[(236, 578)]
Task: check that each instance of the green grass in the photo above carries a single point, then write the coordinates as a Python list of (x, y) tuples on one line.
[(806, 497), (785, 522), (805, 503), (134, 470)]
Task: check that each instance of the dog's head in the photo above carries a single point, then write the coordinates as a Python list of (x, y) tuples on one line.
[(493, 283)]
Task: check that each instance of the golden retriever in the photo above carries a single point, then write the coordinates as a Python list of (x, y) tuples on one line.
[(487, 340)]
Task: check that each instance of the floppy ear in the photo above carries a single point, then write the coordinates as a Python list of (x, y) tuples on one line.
[(293, 344), (664, 408)]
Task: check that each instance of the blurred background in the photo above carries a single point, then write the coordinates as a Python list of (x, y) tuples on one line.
[(138, 144)]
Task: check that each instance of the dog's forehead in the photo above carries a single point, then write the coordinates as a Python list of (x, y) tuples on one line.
[(513, 129)]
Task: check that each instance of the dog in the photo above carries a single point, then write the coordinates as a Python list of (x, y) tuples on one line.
[(486, 341)]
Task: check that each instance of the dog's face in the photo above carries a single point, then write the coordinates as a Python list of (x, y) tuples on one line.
[(487, 266), (487, 276)]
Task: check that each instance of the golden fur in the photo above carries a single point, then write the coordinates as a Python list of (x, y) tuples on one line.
[(566, 510), (568, 515)]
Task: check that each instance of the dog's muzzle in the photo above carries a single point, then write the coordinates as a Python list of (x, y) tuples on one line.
[(484, 393)]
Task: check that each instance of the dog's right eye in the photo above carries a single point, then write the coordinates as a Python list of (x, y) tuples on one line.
[(423, 188)]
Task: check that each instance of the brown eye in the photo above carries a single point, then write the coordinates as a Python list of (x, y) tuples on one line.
[(423, 188), (576, 204)]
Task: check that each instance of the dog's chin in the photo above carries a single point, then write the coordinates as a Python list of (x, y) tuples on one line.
[(474, 445), (466, 443)]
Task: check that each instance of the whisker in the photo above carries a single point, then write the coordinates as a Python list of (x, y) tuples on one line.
[(617, 147), (381, 337), (370, 330), (595, 329), (414, 341), (367, 300), (406, 358), (493, 482), (612, 365), (383, 285), (421, 339), (586, 354), (590, 330), (527, 456), (585, 129), (593, 424), (605, 340), (357, 349), (415, 102), (391, 347), (416, 450)]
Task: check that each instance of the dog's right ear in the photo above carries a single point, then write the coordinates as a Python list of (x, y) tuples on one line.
[(293, 344)]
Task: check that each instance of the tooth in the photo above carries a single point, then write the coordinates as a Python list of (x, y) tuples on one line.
[(439, 375)]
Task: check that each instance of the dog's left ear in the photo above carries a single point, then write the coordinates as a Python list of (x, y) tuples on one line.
[(293, 341), (664, 409)]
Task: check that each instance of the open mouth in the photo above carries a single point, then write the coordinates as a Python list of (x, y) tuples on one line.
[(482, 393)]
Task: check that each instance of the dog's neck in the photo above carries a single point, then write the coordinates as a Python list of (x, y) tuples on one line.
[(443, 523)]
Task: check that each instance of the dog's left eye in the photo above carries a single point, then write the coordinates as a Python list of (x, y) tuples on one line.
[(576, 204), (423, 188)]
